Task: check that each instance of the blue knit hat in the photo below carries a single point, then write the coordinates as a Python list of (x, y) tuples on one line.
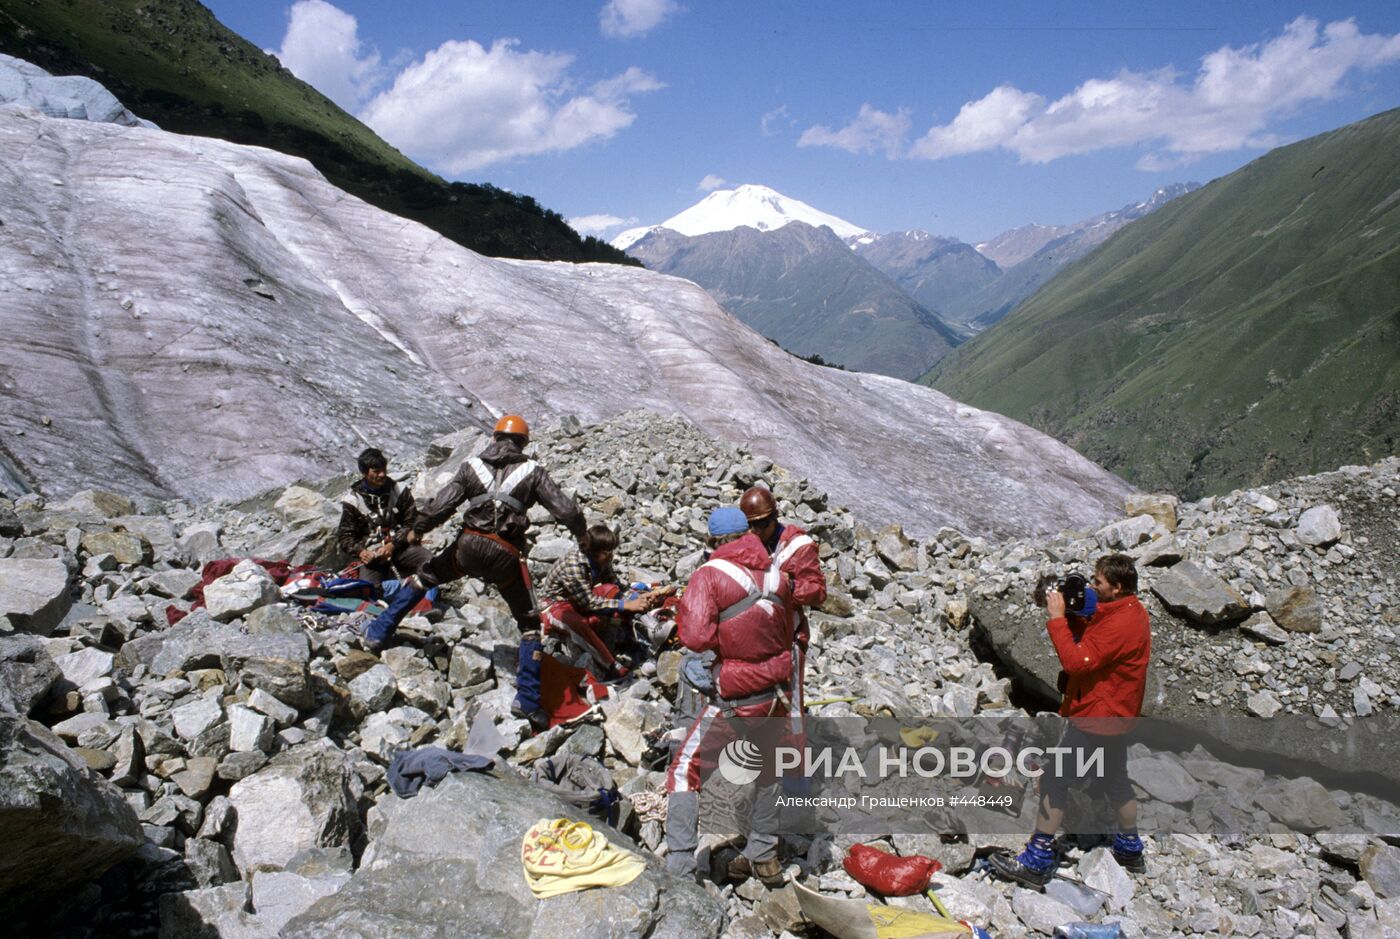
[(728, 520)]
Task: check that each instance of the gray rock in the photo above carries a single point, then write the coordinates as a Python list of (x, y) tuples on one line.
[(283, 714), (627, 722), (97, 503), (280, 895), (34, 594), (1263, 704), (1099, 870), (248, 730), (1191, 591), (26, 673), (199, 542), (61, 825), (1262, 626), (375, 689), (240, 591), (1380, 867), (275, 662), (176, 584), (84, 666), (468, 666), (1160, 506), (455, 840), (300, 800), (1319, 526), (195, 718), (211, 911), (209, 862), (1302, 804), (193, 643), (128, 549), (129, 756), (1296, 609), (1163, 778), (1040, 912), (1129, 533)]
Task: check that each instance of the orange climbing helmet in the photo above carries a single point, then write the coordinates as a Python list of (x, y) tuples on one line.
[(513, 424)]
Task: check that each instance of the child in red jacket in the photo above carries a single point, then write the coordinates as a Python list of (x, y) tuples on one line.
[(1105, 663)]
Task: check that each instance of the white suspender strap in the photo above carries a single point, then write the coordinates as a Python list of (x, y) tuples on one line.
[(753, 595)]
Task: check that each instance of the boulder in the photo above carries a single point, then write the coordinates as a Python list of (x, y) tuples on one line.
[(1191, 591), (240, 591), (199, 542), (26, 673), (34, 594), (1163, 778), (1319, 526), (1160, 506), (280, 895), (84, 666), (462, 839), (275, 662), (1303, 804), (1129, 533), (1296, 609), (302, 799), (212, 911), (97, 503), (60, 824), (126, 548), (1380, 867)]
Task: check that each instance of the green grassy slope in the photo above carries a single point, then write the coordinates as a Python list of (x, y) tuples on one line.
[(172, 62), (1249, 331)]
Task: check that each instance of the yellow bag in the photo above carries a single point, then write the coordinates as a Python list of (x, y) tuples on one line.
[(561, 855)]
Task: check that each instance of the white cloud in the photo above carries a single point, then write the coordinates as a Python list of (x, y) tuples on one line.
[(620, 19), (711, 182), (463, 106), (872, 130), (980, 125), (597, 224), (322, 47), (1229, 104), (769, 123)]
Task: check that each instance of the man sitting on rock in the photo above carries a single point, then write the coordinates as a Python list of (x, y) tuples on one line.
[(1105, 661), (581, 590), (737, 606), (376, 517), (499, 487)]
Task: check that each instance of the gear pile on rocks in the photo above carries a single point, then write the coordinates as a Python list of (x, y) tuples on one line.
[(228, 775)]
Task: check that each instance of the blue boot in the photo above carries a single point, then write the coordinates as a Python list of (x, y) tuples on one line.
[(527, 682), (380, 629)]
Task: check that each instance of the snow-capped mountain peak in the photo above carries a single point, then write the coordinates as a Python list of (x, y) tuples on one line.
[(749, 205)]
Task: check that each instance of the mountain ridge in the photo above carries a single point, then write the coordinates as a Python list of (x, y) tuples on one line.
[(1257, 315)]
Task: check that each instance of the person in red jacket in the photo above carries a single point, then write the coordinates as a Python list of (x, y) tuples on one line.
[(736, 605), (1105, 661), (795, 553)]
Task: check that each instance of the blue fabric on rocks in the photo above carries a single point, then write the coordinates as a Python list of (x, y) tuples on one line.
[(410, 769)]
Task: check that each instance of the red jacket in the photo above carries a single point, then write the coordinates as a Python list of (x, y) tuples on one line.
[(753, 650), (1107, 664), (803, 566)]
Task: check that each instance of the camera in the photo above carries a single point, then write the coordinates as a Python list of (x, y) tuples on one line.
[(1080, 598)]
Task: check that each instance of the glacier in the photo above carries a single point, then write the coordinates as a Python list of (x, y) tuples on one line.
[(186, 317)]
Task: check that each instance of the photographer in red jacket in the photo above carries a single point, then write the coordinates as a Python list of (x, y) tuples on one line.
[(1105, 660)]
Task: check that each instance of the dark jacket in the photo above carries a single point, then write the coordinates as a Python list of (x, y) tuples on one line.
[(501, 461), (367, 517)]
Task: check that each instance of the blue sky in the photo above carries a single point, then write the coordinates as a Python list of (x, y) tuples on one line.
[(960, 119)]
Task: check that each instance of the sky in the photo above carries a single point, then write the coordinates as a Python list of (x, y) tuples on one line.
[(960, 119)]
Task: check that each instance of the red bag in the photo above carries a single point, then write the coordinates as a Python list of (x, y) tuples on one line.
[(888, 874)]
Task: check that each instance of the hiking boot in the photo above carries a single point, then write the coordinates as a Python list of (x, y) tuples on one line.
[(769, 872), (1135, 862), (1010, 867), (539, 720), (370, 645)]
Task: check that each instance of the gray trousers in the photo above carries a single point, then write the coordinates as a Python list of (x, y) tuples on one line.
[(683, 828)]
